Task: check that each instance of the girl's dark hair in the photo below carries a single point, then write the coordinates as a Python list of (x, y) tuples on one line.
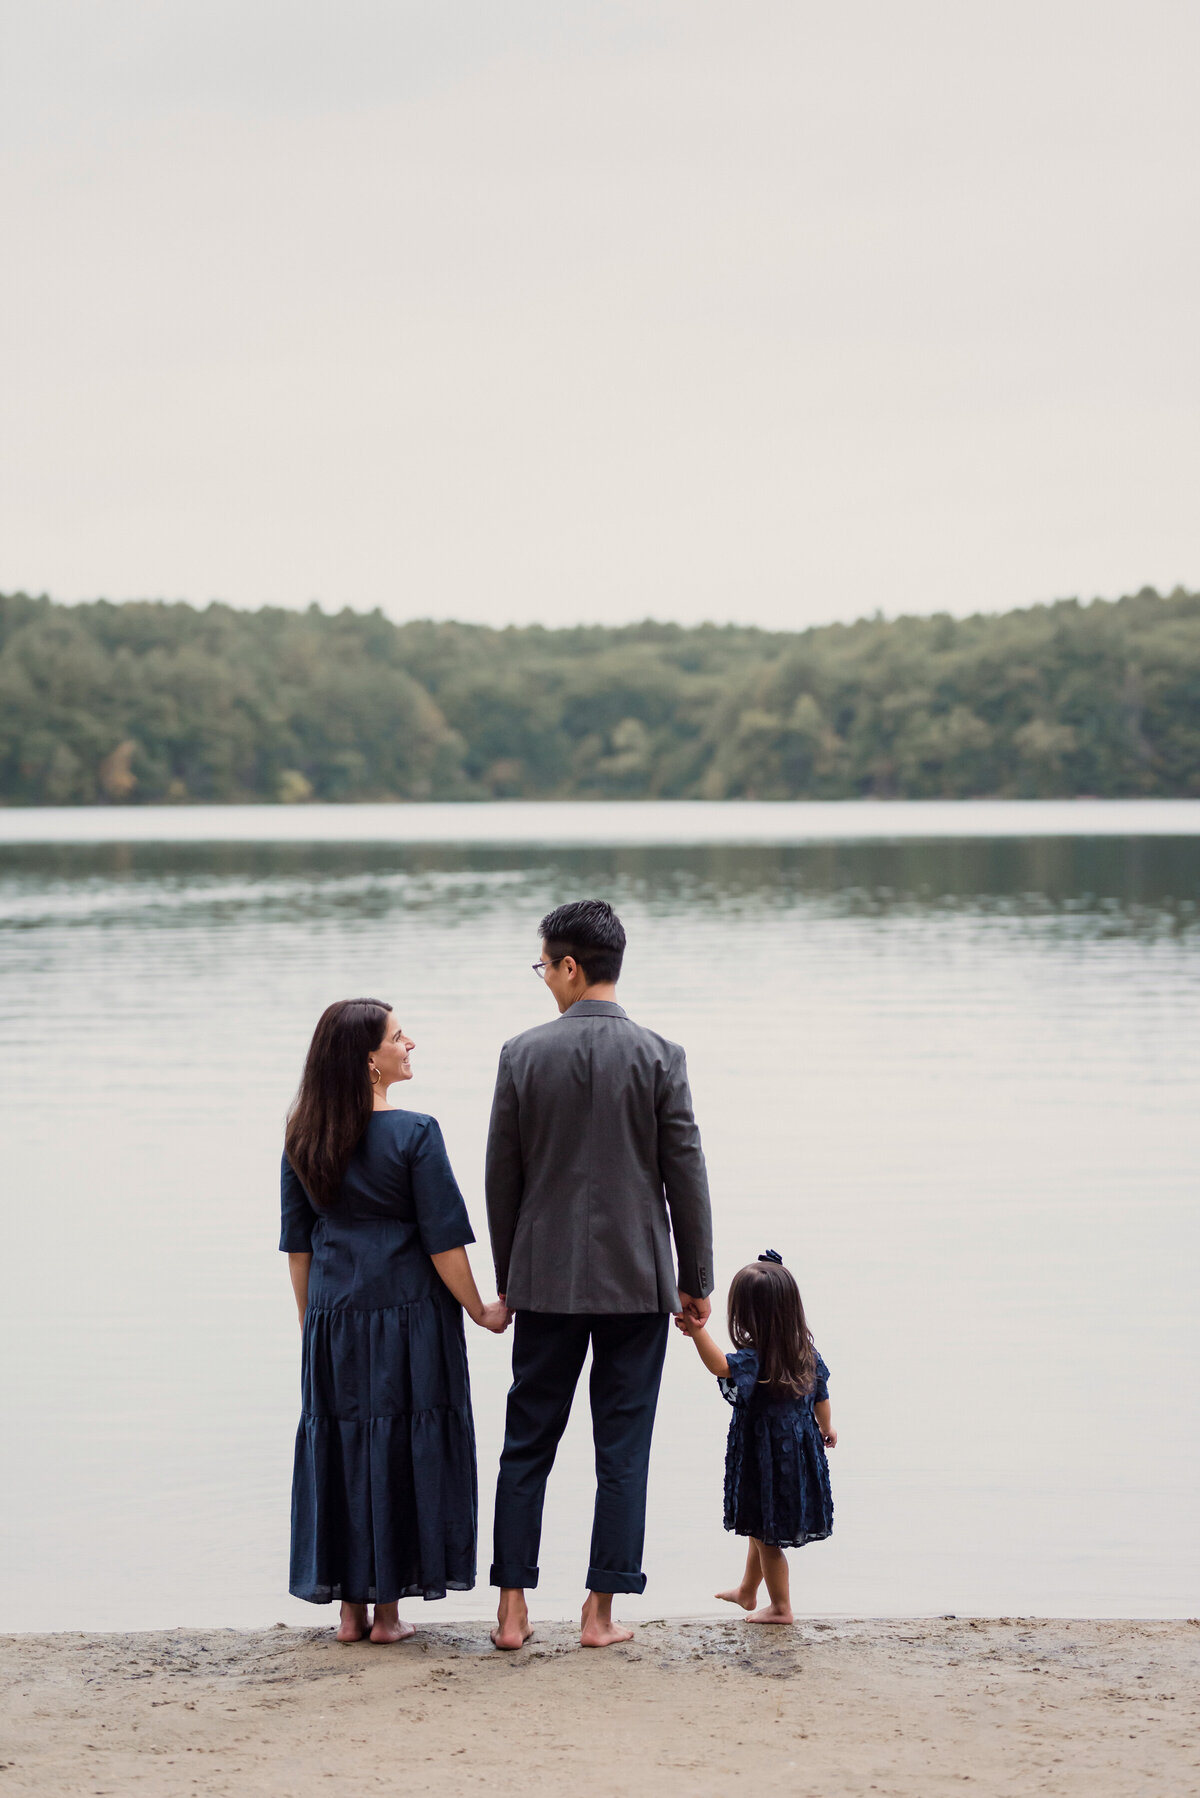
[(767, 1315), (331, 1111)]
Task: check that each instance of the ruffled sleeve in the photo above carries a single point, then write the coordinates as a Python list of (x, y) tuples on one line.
[(297, 1216), (821, 1389), (739, 1383)]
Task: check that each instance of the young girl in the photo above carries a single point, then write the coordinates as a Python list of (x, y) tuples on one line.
[(776, 1474)]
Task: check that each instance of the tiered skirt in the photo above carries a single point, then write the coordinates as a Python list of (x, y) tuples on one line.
[(384, 1488)]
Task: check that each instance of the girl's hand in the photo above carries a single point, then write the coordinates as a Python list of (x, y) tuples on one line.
[(829, 1438), (495, 1317), (715, 1359)]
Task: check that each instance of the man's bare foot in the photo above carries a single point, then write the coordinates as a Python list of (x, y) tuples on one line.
[(596, 1627), (603, 1635), (353, 1624), (513, 1628), (738, 1595), (772, 1613), (389, 1626)]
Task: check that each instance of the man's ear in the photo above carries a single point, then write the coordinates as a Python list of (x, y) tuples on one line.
[(570, 966)]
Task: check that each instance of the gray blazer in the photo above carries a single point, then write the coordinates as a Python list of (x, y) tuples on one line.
[(592, 1142)]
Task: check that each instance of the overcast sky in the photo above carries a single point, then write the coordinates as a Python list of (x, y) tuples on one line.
[(510, 310)]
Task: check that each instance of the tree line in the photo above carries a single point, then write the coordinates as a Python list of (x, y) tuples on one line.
[(148, 702)]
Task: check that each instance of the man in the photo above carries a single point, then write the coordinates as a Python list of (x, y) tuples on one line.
[(592, 1143)]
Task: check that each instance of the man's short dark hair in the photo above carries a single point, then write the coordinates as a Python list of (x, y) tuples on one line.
[(590, 930)]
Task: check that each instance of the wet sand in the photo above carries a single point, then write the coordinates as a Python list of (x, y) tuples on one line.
[(1009, 1705)]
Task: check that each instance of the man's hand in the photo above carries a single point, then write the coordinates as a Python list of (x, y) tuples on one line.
[(698, 1310), (495, 1317)]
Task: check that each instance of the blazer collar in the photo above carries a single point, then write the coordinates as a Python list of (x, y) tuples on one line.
[(595, 1008)]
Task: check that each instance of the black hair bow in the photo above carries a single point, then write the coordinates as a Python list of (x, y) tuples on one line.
[(772, 1255)]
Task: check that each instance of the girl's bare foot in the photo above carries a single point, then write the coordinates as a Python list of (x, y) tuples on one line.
[(772, 1613), (353, 1625), (597, 1629), (771, 1560), (745, 1593), (388, 1625)]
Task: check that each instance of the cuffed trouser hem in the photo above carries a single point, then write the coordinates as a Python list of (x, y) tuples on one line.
[(513, 1575), (603, 1579)]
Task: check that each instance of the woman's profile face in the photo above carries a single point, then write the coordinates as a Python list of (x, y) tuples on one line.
[(391, 1057)]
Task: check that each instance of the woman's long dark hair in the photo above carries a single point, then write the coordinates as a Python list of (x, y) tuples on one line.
[(766, 1314), (333, 1107)]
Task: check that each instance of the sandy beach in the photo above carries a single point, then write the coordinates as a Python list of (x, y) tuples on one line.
[(1008, 1705)]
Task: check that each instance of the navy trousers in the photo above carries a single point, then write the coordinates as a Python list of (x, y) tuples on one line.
[(548, 1356)]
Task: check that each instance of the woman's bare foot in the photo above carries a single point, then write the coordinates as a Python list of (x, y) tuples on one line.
[(353, 1625), (513, 1628), (772, 1613), (597, 1629), (739, 1595), (388, 1625)]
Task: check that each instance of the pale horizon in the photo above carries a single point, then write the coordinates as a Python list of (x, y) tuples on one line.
[(567, 624), (773, 317)]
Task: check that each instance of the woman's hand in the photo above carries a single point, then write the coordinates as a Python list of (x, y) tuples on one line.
[(829, 1438), (298, 1268), (454, 1271)]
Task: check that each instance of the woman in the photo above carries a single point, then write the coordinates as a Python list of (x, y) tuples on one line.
[(384, 1500)]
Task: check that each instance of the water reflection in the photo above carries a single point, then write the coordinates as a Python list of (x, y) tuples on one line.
[(954, 1082), (1135, 884)]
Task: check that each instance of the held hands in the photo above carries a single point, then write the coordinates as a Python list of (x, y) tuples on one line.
[(454, 1271), (495, 1317), (697, 1311), (692, 1315), (829, 1438)]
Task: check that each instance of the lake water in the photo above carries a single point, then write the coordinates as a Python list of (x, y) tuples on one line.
[(944, 1059)]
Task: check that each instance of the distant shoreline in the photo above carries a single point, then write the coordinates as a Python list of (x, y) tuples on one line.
[(171, 704), (601, 823)]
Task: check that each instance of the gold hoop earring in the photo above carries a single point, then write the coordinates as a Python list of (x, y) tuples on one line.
[(374, 1075)]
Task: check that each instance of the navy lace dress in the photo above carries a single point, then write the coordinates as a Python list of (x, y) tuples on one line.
[(776, 1473), (384, 1502)]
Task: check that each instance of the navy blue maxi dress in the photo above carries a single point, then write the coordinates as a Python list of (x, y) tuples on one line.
[(776, 1471), (384, 1493)]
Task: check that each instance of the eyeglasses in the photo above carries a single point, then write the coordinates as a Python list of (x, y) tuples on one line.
[(539, 967)]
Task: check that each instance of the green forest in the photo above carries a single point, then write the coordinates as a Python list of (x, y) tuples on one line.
[(145, 703)]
